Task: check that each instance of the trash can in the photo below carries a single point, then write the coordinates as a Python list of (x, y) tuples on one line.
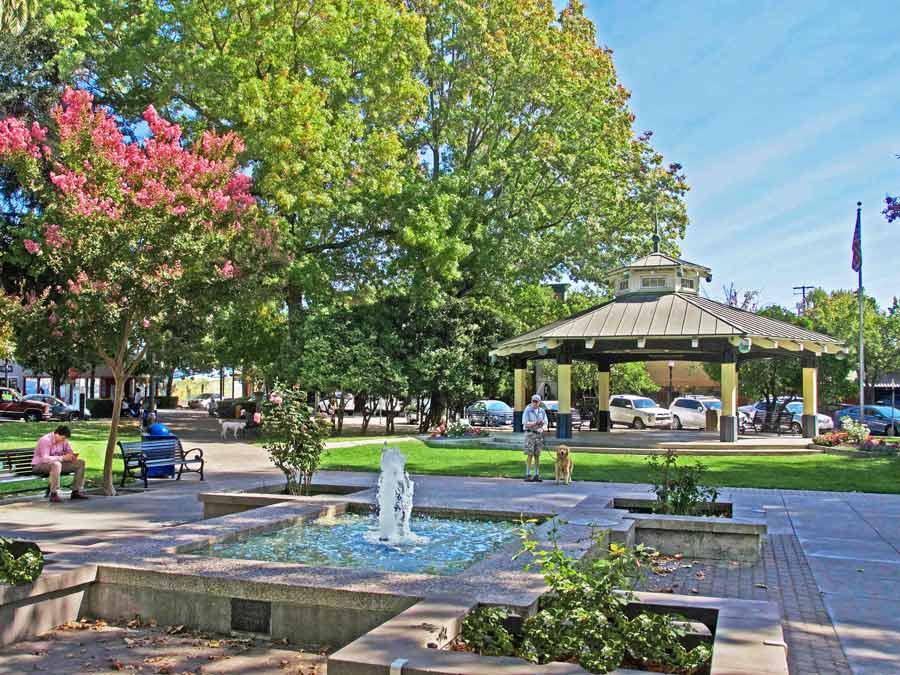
[(712, 420), (159, 432)]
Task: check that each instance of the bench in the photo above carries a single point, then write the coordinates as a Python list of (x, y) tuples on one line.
[(144, 455), (15, 467), (767, 420)]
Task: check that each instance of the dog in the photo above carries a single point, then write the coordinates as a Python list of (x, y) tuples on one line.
[(234, 427), (564, 465)]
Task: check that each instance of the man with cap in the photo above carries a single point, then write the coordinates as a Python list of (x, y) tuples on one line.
[(534, 421)]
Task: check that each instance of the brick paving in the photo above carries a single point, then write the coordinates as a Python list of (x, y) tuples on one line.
[(782, 575)]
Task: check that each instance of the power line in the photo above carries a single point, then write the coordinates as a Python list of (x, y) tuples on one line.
[(801, 290)]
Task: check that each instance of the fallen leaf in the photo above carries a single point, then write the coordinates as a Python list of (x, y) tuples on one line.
[(172, 630), (760, 586), (215, 644)]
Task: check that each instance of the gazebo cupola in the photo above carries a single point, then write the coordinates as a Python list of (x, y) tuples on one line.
[(656, 313)]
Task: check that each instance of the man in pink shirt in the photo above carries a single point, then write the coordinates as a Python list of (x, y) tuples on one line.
[(53, 456)]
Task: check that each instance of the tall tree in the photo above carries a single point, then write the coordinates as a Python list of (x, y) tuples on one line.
[(136, 234)]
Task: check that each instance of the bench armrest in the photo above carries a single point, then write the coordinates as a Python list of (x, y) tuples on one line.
[(198, 451)]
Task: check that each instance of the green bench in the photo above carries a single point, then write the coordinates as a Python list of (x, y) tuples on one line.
[(15, 467), (145, 455)]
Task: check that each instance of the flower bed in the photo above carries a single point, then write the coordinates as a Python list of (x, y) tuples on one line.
[(457, 430)]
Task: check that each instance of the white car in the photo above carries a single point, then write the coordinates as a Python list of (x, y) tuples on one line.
[(689, 412), (638, 412)]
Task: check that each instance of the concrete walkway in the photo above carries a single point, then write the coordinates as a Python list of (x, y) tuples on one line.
[(848, 544)]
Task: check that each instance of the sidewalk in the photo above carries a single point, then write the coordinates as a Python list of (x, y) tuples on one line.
[(826, 552)]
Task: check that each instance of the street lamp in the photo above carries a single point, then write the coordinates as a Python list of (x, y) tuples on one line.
[(671, 366)]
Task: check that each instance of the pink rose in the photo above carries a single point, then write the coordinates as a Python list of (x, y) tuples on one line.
[(32, 247)]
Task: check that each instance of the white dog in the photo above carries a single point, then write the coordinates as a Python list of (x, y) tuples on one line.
[(234, 427)]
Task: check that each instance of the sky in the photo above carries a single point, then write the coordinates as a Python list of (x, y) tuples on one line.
[(784, 115)]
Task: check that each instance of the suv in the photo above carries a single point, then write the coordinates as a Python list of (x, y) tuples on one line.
[(13, 405), (690, 411), (489, 413), (638, 412)]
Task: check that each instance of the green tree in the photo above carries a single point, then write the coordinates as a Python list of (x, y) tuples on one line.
[(136, 234)]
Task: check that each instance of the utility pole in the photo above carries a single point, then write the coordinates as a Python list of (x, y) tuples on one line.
[(801, 290)]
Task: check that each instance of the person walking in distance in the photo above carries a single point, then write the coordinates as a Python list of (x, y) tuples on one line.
[(534, 421)]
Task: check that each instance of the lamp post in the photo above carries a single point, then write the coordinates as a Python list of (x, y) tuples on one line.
[(671, 366)]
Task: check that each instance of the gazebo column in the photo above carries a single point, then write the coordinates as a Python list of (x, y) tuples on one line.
[(564, 394), (603, 396), (728, 423), (810, 397), (518, 394)]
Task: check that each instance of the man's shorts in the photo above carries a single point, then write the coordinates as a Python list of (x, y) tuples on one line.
[(534, 443)]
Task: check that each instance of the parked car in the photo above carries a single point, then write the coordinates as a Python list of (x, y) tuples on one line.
[(59, 409), (794, 406), (204, 401), (880, 419), (225, 407), (638, 412), (489, 413), (689, 412), (13, 404), (552, 408)]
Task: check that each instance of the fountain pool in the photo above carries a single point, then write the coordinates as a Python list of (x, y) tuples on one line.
[(352, 540)]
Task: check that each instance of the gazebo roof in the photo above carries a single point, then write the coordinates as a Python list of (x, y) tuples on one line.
[(660, 260), (661, 320)]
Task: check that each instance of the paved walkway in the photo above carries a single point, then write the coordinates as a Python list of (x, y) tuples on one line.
[(829, 555)]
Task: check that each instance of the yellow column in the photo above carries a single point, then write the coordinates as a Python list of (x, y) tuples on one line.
[(729, 389), (603, 399), (810, 391), (728, 423), (518, 395), (809, 422), (564, 389)]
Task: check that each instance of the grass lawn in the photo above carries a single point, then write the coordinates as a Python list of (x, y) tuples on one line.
[(88, 440), (802, 472)]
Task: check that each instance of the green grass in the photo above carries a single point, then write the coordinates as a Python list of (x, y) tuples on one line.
[(88, 440), (802, 472)]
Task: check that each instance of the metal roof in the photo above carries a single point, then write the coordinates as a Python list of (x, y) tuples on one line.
[(660, 260), (639, 315)]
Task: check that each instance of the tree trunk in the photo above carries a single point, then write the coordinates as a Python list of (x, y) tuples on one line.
[(170, 376), (109, 489)]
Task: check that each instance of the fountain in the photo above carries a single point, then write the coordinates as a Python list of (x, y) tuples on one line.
[(395, 500)]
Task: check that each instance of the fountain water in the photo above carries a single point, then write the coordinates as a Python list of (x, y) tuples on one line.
[(395, 500)]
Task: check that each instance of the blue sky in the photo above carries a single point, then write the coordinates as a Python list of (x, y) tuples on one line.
[(784, 115)]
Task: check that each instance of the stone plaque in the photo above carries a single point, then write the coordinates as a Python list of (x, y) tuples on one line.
[(251, 616)]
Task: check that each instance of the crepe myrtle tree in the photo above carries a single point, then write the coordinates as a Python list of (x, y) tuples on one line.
[(135, 235)]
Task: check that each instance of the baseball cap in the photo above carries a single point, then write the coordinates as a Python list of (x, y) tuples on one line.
[(536, 398)]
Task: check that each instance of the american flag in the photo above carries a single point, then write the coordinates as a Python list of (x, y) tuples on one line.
[(856, 262)]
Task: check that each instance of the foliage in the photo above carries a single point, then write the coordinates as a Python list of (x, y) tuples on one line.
[(679, 489), (584, 618), (295, 436), (832, 439), (22, 568), (138, 238), (857, 432), (15, 15)]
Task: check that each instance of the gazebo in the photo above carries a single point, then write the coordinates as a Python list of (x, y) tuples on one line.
[(657, 314)]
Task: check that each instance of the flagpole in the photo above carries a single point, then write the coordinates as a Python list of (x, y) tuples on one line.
[(862, 358)]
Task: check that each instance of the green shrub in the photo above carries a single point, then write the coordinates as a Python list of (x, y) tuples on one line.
[(585, 618), (20, 563), (679, 490), (295, 437), (100, 407)]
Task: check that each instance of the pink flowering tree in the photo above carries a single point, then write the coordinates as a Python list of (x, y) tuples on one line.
[(133, 235)]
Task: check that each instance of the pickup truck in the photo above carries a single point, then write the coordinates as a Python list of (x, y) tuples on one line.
[(13, 405)]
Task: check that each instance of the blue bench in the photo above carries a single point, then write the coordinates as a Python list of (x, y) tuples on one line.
[(144, 455)]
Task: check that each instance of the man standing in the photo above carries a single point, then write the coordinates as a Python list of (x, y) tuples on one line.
[(534, 421), (53, 456)]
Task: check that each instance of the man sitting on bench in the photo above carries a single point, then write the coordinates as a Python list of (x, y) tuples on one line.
[(54, 456)]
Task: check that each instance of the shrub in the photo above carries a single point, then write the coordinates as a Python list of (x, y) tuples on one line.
[(584, 619), (857, 432), (832, 439), (458, 429), (679, 489), (20, 563), (295, 437)]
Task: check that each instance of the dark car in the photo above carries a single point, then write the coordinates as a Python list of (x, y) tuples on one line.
[(59, 409), (489, 413), (552, 408), (880, 419), (13, 405)]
